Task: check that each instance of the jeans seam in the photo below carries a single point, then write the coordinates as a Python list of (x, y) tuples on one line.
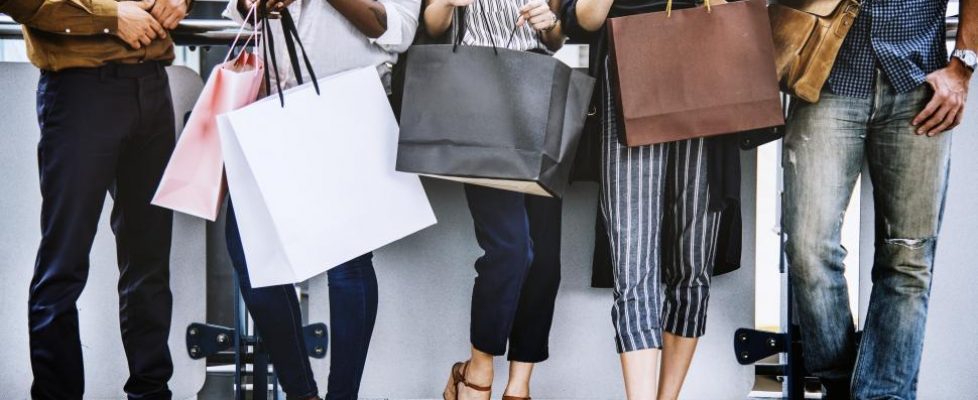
[(363, 328), (305, 374)]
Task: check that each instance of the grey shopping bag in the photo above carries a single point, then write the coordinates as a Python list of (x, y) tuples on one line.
[(492, 117)]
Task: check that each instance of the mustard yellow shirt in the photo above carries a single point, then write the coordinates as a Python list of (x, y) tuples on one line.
[(64, 34)]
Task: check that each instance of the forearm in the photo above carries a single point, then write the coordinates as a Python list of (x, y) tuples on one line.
[(591, 14), (72, 17), (968, 25), (554, 38), (438, 16), (368, 16)]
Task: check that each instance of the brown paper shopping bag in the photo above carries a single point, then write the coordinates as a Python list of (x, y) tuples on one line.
[(696, 72)]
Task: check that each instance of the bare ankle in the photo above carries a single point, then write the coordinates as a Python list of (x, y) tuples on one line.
[(479, 373), (517, 390)]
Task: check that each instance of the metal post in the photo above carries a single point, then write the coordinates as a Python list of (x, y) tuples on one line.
[(259, 377), (238, 346)]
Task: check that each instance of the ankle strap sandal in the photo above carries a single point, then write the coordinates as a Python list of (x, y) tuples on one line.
[(458, 378)]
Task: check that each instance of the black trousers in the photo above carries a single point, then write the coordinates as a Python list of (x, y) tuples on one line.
[(107, 129), (519, 275)]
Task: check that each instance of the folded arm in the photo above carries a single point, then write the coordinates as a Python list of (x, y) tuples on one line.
[(69, 17)]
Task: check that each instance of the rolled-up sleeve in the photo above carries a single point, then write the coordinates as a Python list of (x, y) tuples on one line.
[(69, 17), (402, 24)]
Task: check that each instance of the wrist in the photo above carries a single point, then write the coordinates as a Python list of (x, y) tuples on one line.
[(553, 29), (958, 66)]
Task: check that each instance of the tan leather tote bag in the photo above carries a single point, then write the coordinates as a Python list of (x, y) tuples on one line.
[(807, 37)]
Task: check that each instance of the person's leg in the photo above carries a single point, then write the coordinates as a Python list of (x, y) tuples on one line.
[(632, 187), (503, 232), (530, 337), (352, 313), (83, 121), (143, 234), (688, 248), (909, 174), (822, 157), (278, 319), (677, 355)]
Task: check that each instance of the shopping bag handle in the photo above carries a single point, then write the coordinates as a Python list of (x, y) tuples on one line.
[(709, 9), (251, 17), (291, 39), (268, 42)]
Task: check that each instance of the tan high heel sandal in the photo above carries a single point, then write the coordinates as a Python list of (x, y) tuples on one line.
[(458, 377)]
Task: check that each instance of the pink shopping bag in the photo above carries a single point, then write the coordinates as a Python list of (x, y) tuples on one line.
[(193, 182)]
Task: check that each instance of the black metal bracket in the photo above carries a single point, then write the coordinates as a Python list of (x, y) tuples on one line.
[(205, 340), (317, 339), (752, 345)]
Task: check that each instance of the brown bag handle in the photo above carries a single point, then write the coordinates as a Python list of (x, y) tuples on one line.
[(707, 2)]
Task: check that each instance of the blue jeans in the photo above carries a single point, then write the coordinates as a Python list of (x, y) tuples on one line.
[(275, 310), (825, 146)]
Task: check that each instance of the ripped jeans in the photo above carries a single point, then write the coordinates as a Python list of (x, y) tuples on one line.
[(825, 147)]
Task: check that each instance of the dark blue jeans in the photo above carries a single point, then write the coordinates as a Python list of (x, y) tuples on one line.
[(275, 309), (518, 277), (825, 146), (102, 129)]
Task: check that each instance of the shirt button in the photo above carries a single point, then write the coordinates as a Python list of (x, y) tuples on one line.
[(106, 30), (68, 30)]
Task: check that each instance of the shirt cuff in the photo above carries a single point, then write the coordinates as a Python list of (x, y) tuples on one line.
[(105, 16), (231, 12), (394, 35)]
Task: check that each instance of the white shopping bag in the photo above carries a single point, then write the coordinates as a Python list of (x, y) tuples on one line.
[(314, 183)]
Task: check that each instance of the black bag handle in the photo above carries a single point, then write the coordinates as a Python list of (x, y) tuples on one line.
[(288, 25), (291, 39)]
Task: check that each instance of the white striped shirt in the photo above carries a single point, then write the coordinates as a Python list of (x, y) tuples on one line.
[(497, 26)]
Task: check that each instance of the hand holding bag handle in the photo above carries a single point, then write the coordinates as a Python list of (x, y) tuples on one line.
[(291, 38)]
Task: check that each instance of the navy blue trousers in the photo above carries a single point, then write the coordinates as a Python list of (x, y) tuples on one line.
[(275, 310), (519, 274), (107, 129)]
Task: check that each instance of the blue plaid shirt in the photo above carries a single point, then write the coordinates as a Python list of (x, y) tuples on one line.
[(903, 38)]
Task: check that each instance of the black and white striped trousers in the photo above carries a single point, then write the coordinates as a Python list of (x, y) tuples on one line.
[(655, 201)]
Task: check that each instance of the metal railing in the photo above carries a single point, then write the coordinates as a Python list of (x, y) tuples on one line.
[(190, 32), (203, 32)]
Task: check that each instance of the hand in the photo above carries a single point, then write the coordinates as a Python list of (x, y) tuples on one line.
[(270, 5), (946, 109), (538, 14), (136, 26), (169, 12)]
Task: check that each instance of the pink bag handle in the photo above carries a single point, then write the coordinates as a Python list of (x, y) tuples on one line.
[(253, 15)]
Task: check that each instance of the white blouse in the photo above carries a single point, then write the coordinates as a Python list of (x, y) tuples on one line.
[(334, 44)]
